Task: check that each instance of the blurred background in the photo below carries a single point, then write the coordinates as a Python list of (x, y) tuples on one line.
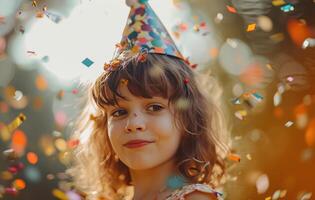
[(261, 51)]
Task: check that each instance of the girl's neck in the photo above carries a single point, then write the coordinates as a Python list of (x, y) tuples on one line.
[(149, 183)]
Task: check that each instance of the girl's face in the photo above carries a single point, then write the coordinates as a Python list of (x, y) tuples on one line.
[(142, 119)]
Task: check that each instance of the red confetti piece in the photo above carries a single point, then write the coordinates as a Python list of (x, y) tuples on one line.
[(11, 191), (231, 9), (75, 91)]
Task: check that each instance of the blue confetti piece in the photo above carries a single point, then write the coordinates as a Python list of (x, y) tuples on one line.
[(87, 62), (287, 8), (257, 96), (53, 17)]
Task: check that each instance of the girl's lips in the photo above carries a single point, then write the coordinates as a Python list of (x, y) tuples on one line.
[(136, 144)]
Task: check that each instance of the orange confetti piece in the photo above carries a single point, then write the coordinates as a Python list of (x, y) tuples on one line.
[(73, 143), (231, 9), (32, 158), (19, 141), (19, 184), (234, 157), (183, 27), (2, 19), (41, 83), (38, 103), (214, 52), (40, 14), (310, 133), (4, 108), (251, 27), (298, 31)]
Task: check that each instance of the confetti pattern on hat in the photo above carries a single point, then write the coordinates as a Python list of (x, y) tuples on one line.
[(145, 32)]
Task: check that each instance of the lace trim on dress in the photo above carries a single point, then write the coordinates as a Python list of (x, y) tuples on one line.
[(180, 194)]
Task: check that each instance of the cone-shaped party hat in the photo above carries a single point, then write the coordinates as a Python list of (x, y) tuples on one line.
[(145, 32)]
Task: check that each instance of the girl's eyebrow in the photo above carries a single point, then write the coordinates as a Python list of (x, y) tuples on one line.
[(120, 100)]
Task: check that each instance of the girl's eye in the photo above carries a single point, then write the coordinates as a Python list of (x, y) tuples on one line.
[(152, 108), (155, 108), (118, 113)]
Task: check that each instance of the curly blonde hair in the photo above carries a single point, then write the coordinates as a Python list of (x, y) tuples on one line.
[(198, 114)]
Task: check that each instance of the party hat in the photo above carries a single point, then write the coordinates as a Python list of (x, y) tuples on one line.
[(144, 31)]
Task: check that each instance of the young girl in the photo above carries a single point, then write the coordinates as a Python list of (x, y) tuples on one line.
[(149, 131)]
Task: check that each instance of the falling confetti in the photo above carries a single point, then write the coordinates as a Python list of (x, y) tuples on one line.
[(19, 184), (234, 157), (248, 156), (289, 124), (87, 62), (16, 122), (310, 133), (18, 95), (34, 3), (32, 158), (277, 99), (231, 9), (251, 27), (60, 94), (59, 194), (278, 2), (19, 141), (10, 155), (218, 18), (262, 184), (53, 17), (241, 114), (39, 14), (41, 83), (287, 8), (305, 196), (279, 194)]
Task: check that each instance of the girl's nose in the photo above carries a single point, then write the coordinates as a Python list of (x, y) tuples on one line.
[(135, 123)]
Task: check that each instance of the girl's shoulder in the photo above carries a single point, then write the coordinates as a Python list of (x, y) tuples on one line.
[(180, 194)]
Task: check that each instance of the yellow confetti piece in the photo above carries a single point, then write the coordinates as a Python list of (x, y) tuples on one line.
[(248, 156), (61, 144), (268, 198), (5, 131), (6, 175), (269, 66), (278, 2), (240, 114), (16, 122), (34, 3), (59, 194), (251, 27), (277, 37)]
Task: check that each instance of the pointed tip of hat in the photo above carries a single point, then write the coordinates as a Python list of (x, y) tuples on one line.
[(133, 2)]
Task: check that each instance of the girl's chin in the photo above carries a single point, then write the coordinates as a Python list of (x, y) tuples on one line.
[(140, 165)]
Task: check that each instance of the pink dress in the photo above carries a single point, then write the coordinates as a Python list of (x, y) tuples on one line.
[(180, 194)]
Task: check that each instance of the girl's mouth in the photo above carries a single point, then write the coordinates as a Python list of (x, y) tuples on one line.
[(137, 143)]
